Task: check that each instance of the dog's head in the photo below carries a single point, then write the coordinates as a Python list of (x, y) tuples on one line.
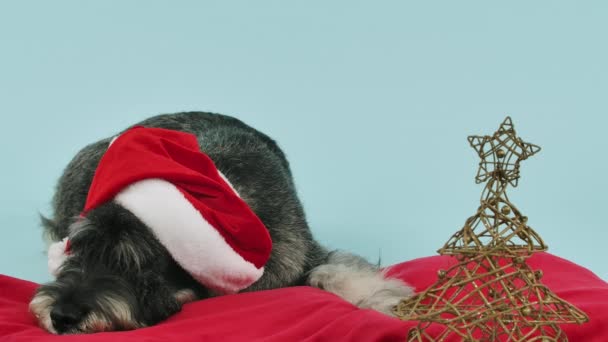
[(117, 277)]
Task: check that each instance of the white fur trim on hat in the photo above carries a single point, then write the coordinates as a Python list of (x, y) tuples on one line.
[(56, 256), (192, 241)]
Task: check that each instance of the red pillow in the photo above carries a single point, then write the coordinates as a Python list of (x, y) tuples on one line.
[(308, 314)]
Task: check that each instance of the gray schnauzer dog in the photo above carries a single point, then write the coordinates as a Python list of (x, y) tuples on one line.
[(118, 275)]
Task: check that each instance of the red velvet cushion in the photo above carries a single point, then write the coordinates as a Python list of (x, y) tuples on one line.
[(307, 314)]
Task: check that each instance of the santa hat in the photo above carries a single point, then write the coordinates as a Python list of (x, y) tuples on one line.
[(163, 178)]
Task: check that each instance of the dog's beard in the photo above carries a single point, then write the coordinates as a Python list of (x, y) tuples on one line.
[(110, 302), (111, 314), (41, 306), (103, 311)]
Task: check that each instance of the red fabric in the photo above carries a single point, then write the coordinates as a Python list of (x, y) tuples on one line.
[(308, 314), (143, 153)]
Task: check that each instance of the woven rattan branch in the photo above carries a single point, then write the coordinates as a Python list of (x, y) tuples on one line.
[(491, 294)]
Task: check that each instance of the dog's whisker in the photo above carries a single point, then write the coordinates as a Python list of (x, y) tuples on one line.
[(95, 322), (40, 306), (120, 312)]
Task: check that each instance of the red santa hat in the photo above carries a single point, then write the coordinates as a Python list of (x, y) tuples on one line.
[(163, 178)]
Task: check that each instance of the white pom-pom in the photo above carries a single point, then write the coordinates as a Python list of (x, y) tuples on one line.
[(57, 256)]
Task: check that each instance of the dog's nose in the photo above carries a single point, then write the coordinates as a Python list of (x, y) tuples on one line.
[(65, 317)]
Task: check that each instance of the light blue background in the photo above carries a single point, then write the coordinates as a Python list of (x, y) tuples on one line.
[(372, 102)]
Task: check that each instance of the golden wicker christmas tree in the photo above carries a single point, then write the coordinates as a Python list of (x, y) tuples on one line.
[(492, 294)]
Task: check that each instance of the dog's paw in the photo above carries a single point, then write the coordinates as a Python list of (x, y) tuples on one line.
[(386, 295), (365, 288)]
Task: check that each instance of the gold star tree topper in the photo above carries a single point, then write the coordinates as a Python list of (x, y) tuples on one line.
[(491, 294), (501, 153)]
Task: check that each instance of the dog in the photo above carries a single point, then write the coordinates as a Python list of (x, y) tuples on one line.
[(118, 276)]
